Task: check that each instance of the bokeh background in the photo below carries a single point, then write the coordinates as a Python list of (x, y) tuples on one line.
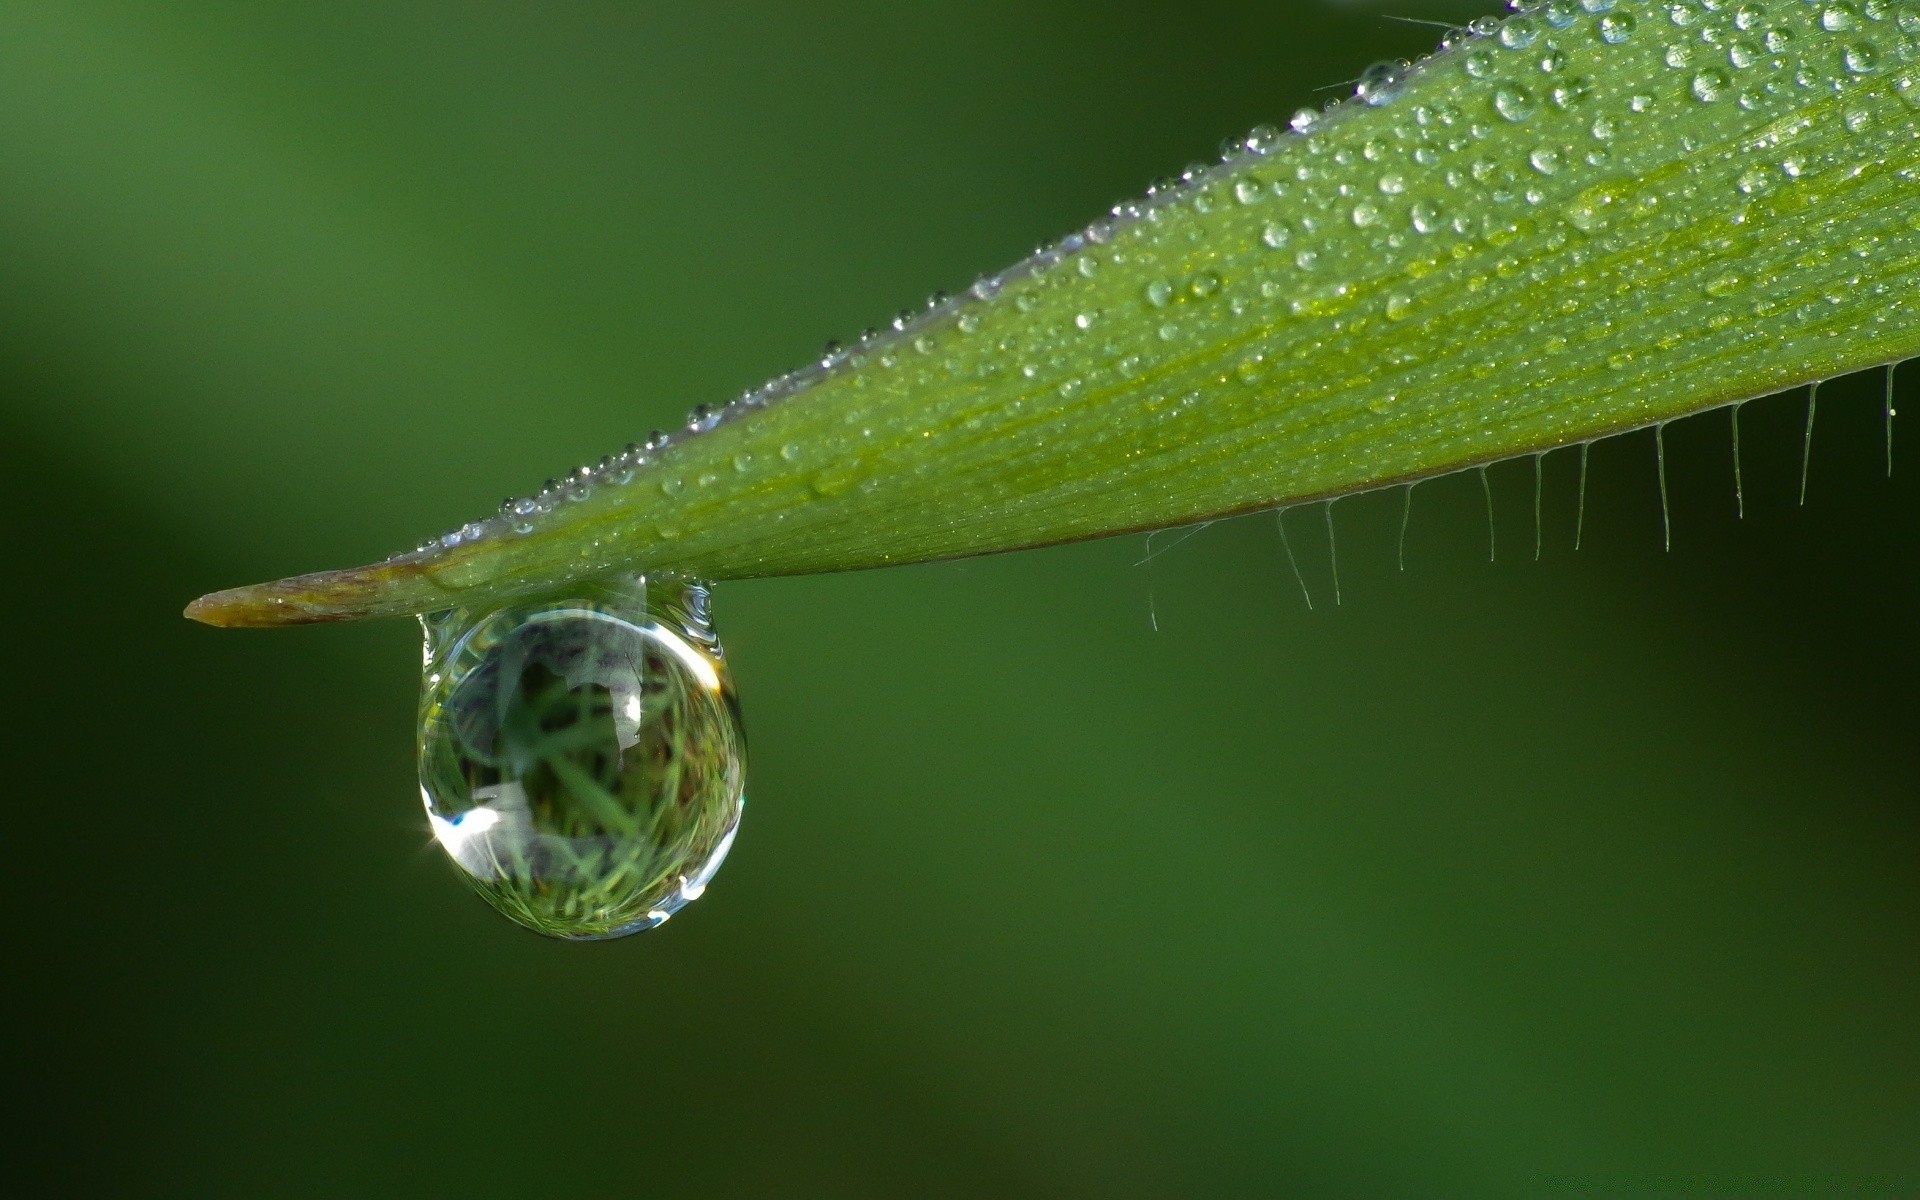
[(1592, 874)]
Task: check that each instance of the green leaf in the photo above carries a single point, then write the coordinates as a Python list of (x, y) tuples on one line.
[(1582, 220)]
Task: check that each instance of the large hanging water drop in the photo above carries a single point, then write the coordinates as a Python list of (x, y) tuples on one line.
[(581, 755)]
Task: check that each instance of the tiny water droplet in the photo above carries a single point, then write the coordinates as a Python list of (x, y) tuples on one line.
[(1519, 33), (1513, 102), (1616, 28), (1263, 139), (1275, 235), (1379, 83), (581, 756), (1711, 85)]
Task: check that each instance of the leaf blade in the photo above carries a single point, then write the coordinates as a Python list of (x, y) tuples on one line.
[(1573, 225)]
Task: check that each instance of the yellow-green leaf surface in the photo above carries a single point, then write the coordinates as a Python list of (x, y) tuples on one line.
[(1588, 218)]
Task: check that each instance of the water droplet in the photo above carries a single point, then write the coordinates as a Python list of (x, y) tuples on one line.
[(1545, 160), (1365, 214), (1711, 85), (1159, 293), (1205, 284), (1398, 306), (581, 756), (1519, 33), (1513, 102), (1616, 28), (1859, 58), (1263, 139), (1426, 216), (1086, 319), (1275, 235), (1379, 83), (1249, 191), (1302, 120), (1838, 18), (1478, 64)]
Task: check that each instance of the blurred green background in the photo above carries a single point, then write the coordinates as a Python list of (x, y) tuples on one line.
[(1593, 874)]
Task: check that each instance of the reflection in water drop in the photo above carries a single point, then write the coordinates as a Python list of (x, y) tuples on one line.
[(581, 755)]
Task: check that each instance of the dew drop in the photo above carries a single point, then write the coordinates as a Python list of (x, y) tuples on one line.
[(1275, 235), (581, 756), (1710, 85), (1379, 84), (1859, 58), (1513, 102), (1616, 28), (1263, 139), (1519, 33)]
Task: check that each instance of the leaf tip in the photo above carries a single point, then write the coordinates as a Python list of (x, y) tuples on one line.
[(372, 591)]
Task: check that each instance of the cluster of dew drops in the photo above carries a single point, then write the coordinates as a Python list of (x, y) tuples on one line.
[(1719, 44)]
